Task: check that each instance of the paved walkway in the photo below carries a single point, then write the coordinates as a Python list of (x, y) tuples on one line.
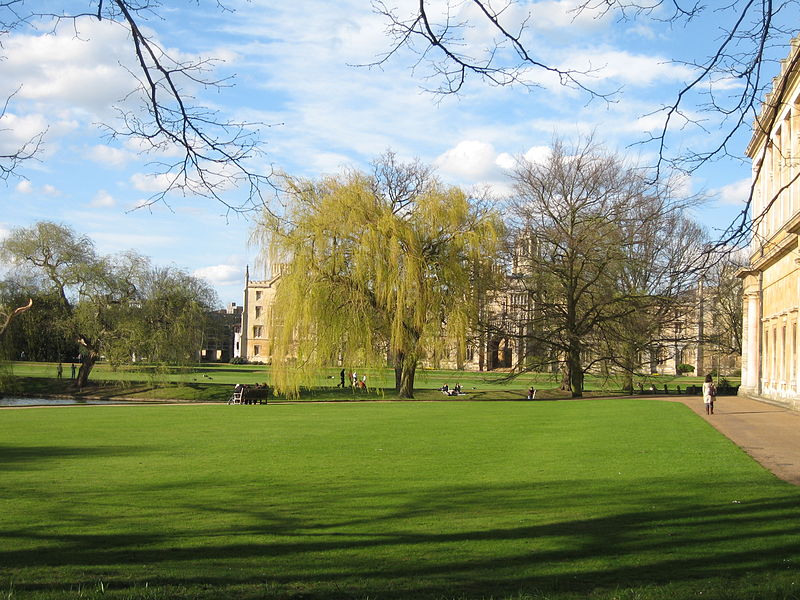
[(768, 433)]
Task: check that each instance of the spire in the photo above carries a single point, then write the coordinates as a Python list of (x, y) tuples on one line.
[(246, 275)]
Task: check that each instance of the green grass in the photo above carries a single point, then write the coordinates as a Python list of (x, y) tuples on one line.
[(601, 499), (214, 382)]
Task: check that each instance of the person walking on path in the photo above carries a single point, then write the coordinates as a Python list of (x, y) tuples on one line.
[(341, 379), (73, 371), (709, 394), (59, 370)]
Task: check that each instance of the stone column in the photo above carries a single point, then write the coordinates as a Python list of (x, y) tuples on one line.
[(751, 344)]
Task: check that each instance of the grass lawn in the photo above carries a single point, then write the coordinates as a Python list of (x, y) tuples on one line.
[(626, 499), (214, 383)]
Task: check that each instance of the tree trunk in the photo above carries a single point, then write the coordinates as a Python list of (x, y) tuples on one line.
[(575, 370), (405, 368), (628, 368), (407, 379), (89, 359), (565, 379)]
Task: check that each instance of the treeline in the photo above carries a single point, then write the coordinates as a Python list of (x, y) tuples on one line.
[(590, 264), (86, 305)]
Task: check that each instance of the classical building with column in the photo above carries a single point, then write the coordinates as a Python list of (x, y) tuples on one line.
[(770, 366)]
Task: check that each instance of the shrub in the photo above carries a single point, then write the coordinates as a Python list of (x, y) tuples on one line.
[(684, 368)]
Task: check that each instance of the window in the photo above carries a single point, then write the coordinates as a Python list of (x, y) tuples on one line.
[(258, 295), (257, 350), (258, 331), (258, 312)]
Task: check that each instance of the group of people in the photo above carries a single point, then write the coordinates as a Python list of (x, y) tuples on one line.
[(456, 391), (60, 371), (355, 381), (250, 394)]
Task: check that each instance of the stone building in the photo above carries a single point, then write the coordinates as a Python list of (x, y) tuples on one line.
[(221, 337), (504, 342), (770, 357), (257, 325)]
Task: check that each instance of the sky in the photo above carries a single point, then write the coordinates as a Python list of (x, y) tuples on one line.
[(297, 68)]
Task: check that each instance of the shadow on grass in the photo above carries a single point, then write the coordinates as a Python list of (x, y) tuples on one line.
[(22, 458), (436, 542)]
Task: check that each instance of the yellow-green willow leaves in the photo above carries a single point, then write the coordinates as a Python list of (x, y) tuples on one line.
[(374, 268)]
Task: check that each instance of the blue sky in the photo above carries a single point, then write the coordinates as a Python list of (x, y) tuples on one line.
[(293, 66)]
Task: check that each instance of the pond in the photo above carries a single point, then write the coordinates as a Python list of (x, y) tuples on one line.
[(15, 401)]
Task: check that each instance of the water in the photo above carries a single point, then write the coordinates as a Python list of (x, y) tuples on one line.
[(12, 401)]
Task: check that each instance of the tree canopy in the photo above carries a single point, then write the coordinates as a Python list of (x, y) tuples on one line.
[(374, 266), (115, 306), (608, 249)]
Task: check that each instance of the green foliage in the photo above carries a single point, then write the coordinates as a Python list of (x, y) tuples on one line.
[(117, 306), (685, 368), (559, 500), (373, 265)]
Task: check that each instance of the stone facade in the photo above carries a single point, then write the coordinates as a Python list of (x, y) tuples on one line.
[(504, 344), (257, 324), (221, 342), (770, 360)]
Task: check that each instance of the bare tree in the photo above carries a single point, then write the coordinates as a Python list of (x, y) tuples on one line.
[(12, 157), (726, 297), (213, 154), (749, 39), (437, 36), (603, 257)]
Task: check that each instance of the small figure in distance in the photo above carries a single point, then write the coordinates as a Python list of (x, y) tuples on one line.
[(709, 394), (531, 393)]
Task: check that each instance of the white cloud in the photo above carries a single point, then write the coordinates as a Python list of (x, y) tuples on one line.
[(734, 194), (505, 161), (19, 130), (537, 154), (629, 68), (81, 72), (102, 199), (564, 14), (110, 156), (471, 160), (642, 30), (146, 182), (221, 274), (24, 187)]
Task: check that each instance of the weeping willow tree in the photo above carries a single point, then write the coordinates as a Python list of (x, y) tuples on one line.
[(374, 267)]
